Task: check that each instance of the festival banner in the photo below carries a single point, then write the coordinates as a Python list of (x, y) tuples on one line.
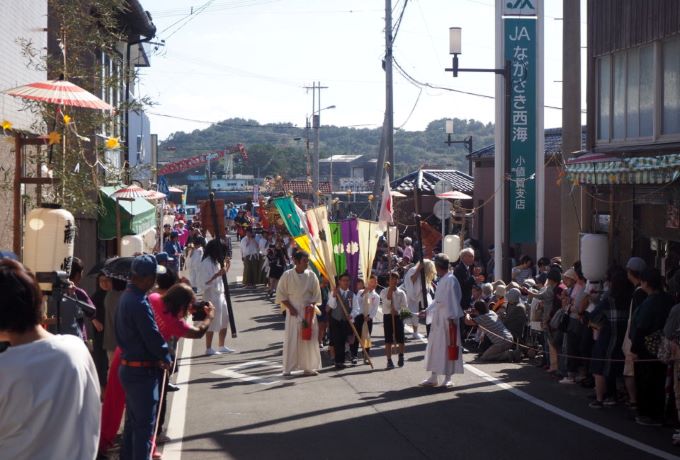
[(520, 50), (320, 237), (338, 247), (304, 244), (350, 241), (290, 216), (369, 233)]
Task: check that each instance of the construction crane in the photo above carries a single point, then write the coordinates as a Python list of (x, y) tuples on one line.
[(205, 158)]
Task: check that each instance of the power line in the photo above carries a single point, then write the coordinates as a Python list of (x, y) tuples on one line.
[(398, 24)]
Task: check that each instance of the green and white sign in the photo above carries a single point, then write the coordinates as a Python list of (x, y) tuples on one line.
[(519, 8), (520, 49)]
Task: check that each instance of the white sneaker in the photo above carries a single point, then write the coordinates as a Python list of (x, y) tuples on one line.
[(417, 336), (429, 382), (567, 381), (226, 349), (448, 383), (211, 351)]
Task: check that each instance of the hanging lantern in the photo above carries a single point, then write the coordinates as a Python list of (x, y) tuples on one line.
[(451, 247), (392, 236), (150, 239), (131, 245), (48, 243), (594, 256)]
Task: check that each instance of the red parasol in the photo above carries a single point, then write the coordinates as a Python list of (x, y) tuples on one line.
[(135, 191), (59, 92)]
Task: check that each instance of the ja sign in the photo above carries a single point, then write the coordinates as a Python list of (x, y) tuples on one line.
[(519, 8)]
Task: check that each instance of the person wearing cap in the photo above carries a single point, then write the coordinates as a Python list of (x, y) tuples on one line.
[(144, 356), (634, 268), (446, 315), (574, 304), (174, 250), (498, 304), (516, 314)]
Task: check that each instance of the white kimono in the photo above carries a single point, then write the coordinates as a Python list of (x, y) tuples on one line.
[(193, 265), (446, 305), (300, 289), (213, 292), (414, 295)]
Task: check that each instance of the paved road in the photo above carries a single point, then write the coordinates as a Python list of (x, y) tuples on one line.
[(240, 407)]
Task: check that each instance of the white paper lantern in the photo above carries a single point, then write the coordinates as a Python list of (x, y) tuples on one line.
[(594, 256), (48, 243), (451, 247), (168, 219), (131, 245), (149, 237)]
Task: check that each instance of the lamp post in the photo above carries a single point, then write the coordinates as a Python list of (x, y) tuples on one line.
[(455, 39), (316, 122), (467, 142)]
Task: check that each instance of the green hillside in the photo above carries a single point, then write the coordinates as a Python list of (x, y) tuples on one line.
[(280, 148)]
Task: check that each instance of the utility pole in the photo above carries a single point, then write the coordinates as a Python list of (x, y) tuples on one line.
[(386, 150), (571, 213), (389, 110), (316, 122)]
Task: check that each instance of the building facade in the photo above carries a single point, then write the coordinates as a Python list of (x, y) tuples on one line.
[(630, 168)]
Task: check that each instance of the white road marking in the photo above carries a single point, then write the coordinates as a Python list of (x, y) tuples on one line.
[(178, 414), (571, 417), (232, 372)]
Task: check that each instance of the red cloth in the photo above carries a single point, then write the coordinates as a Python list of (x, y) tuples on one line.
[(114, 405), (168, 325)]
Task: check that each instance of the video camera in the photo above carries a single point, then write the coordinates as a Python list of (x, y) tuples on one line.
[(198, 311), (68, 311)]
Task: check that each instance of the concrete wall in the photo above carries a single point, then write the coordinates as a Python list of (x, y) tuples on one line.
[(25, 20)]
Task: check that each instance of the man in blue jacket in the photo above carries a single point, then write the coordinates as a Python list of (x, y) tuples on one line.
[(144, 355)]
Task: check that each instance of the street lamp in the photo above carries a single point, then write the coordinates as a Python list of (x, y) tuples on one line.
[(467, 142), (455, 36), (316, 122)]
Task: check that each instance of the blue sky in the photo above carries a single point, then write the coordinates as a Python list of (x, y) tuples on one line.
[(252, 58)]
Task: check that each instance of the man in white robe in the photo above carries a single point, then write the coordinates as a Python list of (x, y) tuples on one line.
[(445, 311), (297, 289)]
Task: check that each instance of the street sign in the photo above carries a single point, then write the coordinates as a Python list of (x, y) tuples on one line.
[(519, 8), (442, 209), (442, 187)]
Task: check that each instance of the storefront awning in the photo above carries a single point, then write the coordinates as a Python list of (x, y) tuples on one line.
[(136, 216), (602, 169)]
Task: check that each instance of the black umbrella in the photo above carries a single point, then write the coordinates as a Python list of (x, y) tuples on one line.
[(99, 266), (118, 267)]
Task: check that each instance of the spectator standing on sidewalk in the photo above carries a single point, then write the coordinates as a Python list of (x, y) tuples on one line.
[(634, 269), (144, 355), (49, 394)]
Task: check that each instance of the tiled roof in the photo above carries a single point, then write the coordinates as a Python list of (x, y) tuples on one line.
[(553, 144), (302, 186), (458, 180)]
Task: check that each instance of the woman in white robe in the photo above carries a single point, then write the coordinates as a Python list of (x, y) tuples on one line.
[(209, 281), (444, 308), (298, 288)]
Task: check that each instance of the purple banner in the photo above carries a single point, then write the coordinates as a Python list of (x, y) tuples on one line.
[(350, 240)]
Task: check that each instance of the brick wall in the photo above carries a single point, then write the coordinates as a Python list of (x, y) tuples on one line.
[(24, 19)]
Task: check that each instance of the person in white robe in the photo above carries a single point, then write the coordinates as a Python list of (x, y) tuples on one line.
[(195, 259), (297, 289), (209, 281), (414, 292), (446, 311)]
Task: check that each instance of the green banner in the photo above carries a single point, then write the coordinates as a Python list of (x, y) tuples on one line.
[(338, 247), (289, 215), (520, 49)]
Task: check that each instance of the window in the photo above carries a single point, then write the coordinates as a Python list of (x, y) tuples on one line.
[(628, 93), (604, 85), (671, 87)]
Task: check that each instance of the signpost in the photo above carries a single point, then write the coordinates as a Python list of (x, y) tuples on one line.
[(442, 209)]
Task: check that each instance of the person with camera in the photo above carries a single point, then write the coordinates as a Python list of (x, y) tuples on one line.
[(499, 336), (49, 390)]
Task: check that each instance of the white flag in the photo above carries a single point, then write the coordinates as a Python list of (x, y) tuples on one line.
[(386, 209)]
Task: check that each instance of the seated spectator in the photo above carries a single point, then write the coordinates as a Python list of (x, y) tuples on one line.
[(516, 314), (49, 391), (499, 336)]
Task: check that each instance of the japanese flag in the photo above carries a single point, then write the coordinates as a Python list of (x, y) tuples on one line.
[(386, 210)]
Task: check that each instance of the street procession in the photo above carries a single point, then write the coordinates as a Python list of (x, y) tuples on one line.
[(450, 266)]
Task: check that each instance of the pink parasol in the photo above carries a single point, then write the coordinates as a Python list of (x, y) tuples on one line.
[(59, 92), (453, 195)]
